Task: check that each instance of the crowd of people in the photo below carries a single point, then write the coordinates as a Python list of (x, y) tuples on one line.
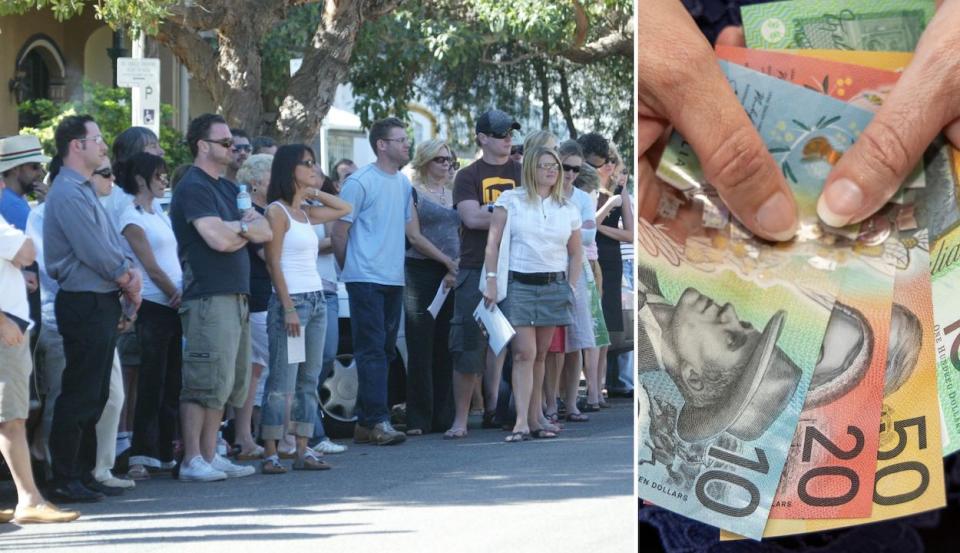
[(156, 325)]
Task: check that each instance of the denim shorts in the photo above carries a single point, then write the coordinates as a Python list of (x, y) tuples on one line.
[(538, 304)]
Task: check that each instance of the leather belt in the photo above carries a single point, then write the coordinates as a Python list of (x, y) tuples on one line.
[(538, 279)]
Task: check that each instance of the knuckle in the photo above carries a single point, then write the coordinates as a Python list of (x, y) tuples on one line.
[(737, 162), (882, 149)]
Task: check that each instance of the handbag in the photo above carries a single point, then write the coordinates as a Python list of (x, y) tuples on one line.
[(503, 262)]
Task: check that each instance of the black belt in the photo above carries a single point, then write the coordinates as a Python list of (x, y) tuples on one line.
[(538, 278)]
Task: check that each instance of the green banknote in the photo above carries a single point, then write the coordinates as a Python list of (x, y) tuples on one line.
[(876, 25)]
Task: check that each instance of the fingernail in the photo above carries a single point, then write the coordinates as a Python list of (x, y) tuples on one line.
[(778, 217), (840, 201)]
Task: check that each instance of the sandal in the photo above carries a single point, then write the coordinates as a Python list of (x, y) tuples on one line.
[(455, 434), (310, 461), (590, 407), (253, 455), (271, 465), (577, 417), (554, 418), (543, 434), (138, 472), (488, 420), (517, 437)]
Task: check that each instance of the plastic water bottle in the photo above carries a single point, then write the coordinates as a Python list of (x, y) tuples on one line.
[(243, 199)]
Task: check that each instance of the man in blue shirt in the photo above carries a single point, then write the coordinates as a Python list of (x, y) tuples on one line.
[(369, 245), (20, 167)]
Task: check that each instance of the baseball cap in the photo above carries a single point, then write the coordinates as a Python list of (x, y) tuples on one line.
[(494, 121)]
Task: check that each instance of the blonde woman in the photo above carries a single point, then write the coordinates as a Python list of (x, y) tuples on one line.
[(545, 262), (430, 405)]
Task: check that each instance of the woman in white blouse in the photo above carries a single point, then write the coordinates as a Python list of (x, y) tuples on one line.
[(545, 262)]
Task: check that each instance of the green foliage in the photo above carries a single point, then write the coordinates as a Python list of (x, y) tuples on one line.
[(283, 43), (143, 14), (111, 109)]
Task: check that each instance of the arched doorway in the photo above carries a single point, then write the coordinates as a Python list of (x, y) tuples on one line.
[(40, 74)]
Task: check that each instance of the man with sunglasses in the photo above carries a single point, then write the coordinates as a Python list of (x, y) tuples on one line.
[(476, 187), (241, 150), (83, 252), (212, 235)]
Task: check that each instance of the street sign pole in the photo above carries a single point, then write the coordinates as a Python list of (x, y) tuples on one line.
[(143, 76)]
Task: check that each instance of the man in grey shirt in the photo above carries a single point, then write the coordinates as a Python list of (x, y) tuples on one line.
[(83, 254)]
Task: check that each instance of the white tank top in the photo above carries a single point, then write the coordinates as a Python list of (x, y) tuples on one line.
[(298, 259)]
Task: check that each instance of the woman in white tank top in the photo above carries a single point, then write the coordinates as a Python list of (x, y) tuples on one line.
[(296, 310)]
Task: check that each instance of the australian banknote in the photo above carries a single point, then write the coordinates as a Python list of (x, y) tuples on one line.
[(723, 466), (877, 25)]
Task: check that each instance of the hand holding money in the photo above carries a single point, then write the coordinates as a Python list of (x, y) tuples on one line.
[(681, 85)]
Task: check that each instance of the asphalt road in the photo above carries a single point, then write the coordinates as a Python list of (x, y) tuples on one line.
[(572, 494)]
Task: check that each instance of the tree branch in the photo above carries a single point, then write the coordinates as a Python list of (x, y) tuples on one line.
[(616, 43)]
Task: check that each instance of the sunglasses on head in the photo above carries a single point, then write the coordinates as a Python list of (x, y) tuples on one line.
[(225, 142), (106, 172), (571, 168)]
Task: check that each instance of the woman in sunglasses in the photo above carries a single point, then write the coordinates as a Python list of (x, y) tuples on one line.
[(430, 405), (150, 237), (297, 308), (545, 263), (615, 226)]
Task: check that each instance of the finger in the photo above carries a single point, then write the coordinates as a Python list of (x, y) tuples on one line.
[(952, 132), (921, 104), (734, 158), (732, 35), (649, 131)]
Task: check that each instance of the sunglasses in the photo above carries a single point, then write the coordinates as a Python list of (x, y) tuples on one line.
[(599, 165), (307, 163), (442, 159), (242, 148), (104, 173), (548, 166), (225, 142), (571, 168), (502, 135)]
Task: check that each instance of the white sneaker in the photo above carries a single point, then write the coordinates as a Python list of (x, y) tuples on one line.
[(230, 469), (198, 470), (144, 460), (326, 446)]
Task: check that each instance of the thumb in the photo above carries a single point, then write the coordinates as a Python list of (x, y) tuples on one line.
[(921, 104), (734, 158)]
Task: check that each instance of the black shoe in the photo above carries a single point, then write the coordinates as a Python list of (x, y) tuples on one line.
[(95, 486), (75, 492)]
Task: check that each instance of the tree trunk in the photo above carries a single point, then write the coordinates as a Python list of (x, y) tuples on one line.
[(325, 65), (541, 72), (564, 103)]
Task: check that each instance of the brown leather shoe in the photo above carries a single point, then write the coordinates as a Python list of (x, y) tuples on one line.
[(361, 434), (6, 515), (44, 512)]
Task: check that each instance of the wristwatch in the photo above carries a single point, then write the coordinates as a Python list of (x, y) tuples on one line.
[(491, 275), (490, 208), (244, 228)]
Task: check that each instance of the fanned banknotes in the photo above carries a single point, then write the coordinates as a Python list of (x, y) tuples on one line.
[(877, 25), (724, 467)]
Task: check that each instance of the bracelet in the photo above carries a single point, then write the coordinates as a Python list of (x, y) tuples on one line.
[(289, 310), (491, 275)]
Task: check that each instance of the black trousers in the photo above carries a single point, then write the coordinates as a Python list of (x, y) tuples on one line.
[(88, 323), (158, 384), (430, 405)]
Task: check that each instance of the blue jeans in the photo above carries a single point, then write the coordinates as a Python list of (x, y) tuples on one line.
[(374, 322), (329, 352), (296, 379)]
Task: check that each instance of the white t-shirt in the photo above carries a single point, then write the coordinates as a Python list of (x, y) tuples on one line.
[(13, 299), (539, 232), (588, 212), (156, 226)]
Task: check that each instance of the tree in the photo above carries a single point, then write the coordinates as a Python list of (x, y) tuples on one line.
[(223, 44)]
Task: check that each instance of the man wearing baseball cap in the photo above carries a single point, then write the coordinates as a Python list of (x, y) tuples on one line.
[(475, 188), (21, 157)]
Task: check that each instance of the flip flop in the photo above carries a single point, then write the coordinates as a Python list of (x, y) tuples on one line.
[(257, 453), (542, 434), (455, 434), (516, 437), (577, 417)]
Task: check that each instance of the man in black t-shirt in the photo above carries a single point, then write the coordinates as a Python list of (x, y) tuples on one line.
[(475, 188), (212, 235)]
